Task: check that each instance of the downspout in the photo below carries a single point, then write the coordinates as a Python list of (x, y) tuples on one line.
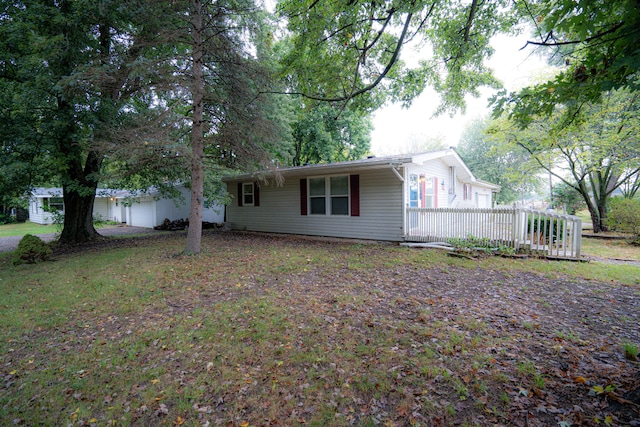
[(401, 178), (396, 173)]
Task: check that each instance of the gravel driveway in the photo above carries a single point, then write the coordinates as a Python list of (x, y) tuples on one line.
[(8, 244)]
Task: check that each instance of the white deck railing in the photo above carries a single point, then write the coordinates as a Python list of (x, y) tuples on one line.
[(523, 229)]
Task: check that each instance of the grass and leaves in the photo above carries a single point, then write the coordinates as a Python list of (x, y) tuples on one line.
[(260, 330)]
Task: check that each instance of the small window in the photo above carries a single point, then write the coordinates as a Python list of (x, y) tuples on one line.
[(247, 194), (467, 192)]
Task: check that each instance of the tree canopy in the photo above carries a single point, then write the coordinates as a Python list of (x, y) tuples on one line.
[(344, 51), (493, 160), (596, 153), (597, 42)]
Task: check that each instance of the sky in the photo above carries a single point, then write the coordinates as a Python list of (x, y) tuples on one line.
[(395, 128)]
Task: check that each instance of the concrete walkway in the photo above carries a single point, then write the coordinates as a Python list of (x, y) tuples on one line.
[(8, 244)]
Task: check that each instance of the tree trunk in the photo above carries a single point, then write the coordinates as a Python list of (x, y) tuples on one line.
[(595, 221), (194, 235), (79, 195), (78, 217)]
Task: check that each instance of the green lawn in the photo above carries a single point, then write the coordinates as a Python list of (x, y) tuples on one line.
[(261, 330), (21, 229)]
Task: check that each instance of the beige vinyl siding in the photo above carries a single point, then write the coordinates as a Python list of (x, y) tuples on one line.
[(101, 208), (380, 217)]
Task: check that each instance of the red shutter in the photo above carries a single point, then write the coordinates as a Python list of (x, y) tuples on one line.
[(354, 184), (256, 194), (435, 192), (239, 194), (303, 196)]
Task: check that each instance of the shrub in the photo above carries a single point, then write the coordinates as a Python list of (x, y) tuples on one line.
[(624, 216), (6, 219), (31, 249), (544, 229)]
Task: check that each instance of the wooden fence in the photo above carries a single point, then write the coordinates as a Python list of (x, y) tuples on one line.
[(523, 229)]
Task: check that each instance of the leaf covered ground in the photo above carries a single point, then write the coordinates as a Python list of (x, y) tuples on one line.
[(281, 331)]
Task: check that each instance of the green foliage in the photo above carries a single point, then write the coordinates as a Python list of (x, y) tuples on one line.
[(595, 152), (624, 216), (630, 351), (597, 44), (6, 219), (544, 228), (31, 249), (340, 50), (568, 197), (325, 135), (495, 160), (479, 244)]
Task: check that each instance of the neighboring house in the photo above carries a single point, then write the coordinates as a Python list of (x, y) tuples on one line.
[(364, 199), (140, 209)]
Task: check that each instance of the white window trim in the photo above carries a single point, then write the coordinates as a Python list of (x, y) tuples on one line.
[(253, 194), (327, 195)]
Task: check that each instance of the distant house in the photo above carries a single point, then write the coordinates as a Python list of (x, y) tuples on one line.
[(140, 209), (364, 199)]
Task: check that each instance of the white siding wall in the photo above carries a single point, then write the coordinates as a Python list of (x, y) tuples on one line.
[(381, 213), (437, 169), (167, 208), (480, 197), (37, 214), (116, 210), (141, 213), (101, 208)]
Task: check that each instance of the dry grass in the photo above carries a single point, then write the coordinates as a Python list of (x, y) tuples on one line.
[(283, 331)]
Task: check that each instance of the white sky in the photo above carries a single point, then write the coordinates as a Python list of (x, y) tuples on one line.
[(395, 128)]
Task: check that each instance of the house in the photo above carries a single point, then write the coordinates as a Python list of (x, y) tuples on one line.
[(363, 199), (141, 209)]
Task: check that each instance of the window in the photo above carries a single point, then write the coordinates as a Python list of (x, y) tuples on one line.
[(247, 194), (467, 192), (53, 204), (329, 195), (317, 198), (335, 195), (339, 191)]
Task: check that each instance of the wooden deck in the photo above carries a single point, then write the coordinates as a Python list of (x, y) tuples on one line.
[(525, 230)]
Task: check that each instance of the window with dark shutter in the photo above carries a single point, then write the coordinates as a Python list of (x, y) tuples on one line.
[(239, 194), (303, 196), (354, 184)]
